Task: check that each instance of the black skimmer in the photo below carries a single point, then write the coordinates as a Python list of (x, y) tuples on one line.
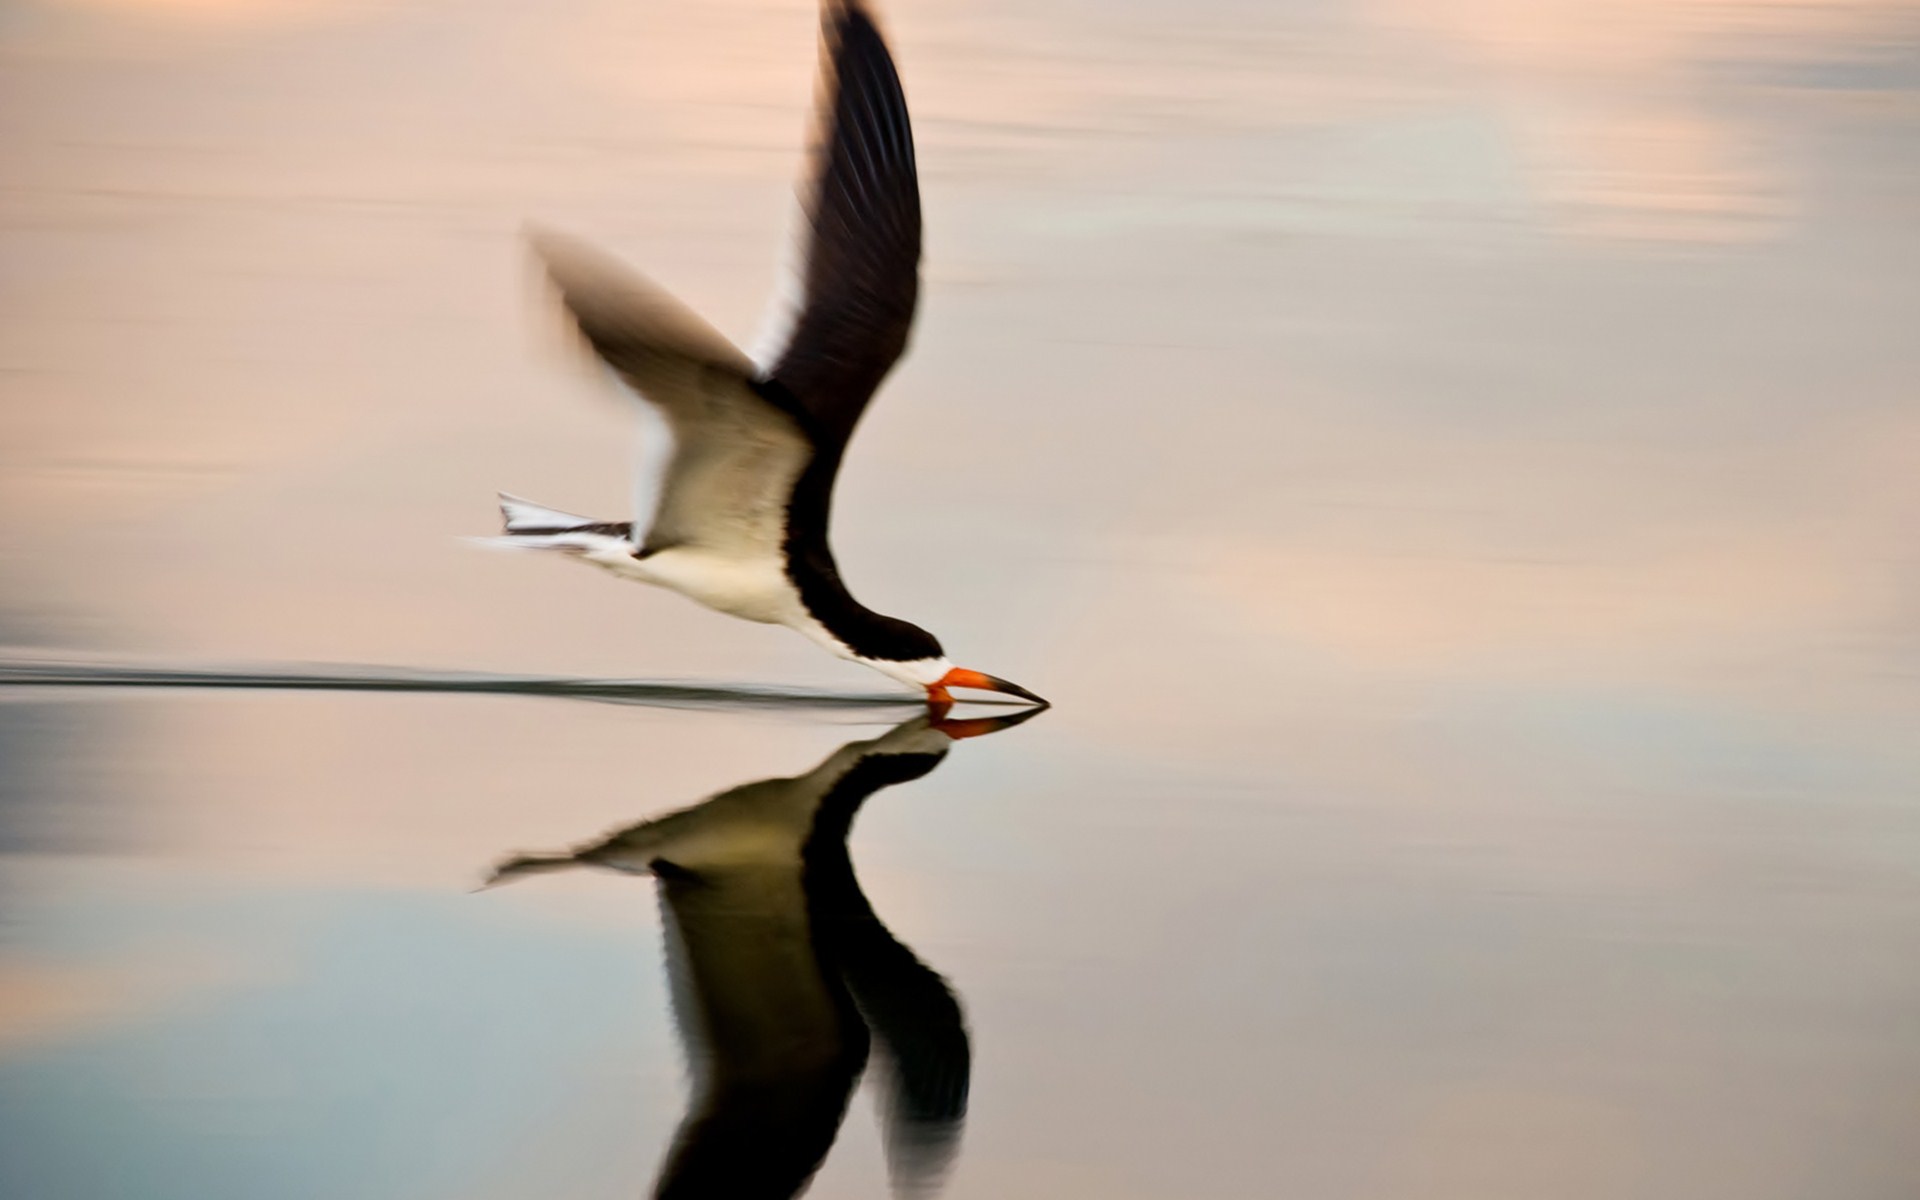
[(740, 510), (783, 976)]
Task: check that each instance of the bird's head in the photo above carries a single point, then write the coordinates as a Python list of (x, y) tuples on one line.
[(914, 657)]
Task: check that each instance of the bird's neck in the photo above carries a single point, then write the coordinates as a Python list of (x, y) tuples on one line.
[(844, 625)]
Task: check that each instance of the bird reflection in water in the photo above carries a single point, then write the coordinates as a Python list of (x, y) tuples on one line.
[(783, 976)]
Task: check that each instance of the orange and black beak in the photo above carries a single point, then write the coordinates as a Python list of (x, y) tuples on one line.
[(939, 697)]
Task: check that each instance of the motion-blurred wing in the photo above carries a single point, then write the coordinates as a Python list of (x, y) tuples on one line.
[(734, 455), (861, 272)]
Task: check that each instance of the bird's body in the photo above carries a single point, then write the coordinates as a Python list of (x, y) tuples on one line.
[(751, 587), (737, 518)]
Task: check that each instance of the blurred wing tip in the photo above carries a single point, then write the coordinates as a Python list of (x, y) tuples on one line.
[(572, 262), (847, 27), (554, 250), (838, 14), (541, 238)]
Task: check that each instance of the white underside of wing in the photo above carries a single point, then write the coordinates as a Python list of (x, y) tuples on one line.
[(782, 314), (653, 452), (716, 466)]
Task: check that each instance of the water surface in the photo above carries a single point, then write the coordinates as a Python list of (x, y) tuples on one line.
[(1451, 464)]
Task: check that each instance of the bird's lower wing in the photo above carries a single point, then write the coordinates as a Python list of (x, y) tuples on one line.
[(723, 473), (730, 477)]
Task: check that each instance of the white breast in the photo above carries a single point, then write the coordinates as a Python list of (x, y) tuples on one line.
[(754, 588)]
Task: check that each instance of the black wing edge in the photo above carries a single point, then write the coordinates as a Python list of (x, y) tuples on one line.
[(861, 275)]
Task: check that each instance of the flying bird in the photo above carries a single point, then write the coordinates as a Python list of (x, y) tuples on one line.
[(787, 986), (739, 512)]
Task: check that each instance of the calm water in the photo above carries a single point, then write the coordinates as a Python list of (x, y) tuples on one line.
[(1455, 466)]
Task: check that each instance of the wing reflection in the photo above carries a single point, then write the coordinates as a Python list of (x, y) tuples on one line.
[(783, 977)]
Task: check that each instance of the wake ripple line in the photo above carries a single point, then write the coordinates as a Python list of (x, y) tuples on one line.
[(312, 678)]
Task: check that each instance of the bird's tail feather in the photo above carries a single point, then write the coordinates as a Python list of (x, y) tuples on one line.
[(524, 516), (536, 527)]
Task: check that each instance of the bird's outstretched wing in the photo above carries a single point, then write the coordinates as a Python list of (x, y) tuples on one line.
[(860, 275), (734, 455)]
